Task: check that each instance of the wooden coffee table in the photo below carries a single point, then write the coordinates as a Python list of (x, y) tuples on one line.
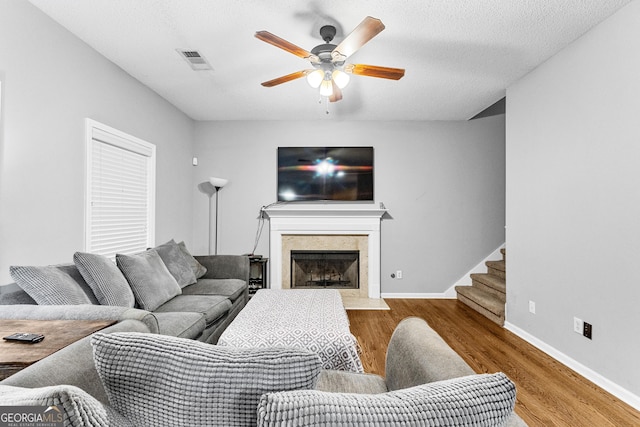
[(15, 356)]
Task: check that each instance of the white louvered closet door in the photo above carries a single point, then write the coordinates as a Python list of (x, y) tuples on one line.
[(120, 190)]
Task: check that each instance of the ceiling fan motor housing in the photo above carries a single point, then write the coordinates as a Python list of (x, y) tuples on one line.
[(323, 51)]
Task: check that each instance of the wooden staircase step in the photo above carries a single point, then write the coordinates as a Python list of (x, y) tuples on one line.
[(490, 283), (497, 268), (483, 302)]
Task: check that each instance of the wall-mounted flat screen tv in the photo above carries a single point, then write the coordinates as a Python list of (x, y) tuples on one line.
[(325, 173)]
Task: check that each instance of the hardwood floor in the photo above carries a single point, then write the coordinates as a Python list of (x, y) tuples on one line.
[(548, 393)]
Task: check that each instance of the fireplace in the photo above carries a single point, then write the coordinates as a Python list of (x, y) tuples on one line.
[(325, 269), (326, 228), (323, 243)]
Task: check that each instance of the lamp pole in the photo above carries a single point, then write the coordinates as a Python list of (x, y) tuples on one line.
[(217, 183), (217, 191), (209, 234)]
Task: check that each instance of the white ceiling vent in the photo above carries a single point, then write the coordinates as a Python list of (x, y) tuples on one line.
[(195, 60)]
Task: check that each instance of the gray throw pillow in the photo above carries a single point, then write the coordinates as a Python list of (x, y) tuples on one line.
[(66, 403), (73, 271), (150, 281), (476, 400), (177, 263), (105, 279), (199, 270), (49, 285), (158, 380)]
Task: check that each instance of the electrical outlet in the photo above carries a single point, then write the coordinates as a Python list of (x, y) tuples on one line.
[(532, 307), (399, 274), (578, 325), (587, 330)]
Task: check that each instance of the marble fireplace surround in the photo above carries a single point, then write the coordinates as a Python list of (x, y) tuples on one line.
[(328, 242), (324, 222)]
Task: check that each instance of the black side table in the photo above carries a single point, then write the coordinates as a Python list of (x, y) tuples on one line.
[(257, 274)]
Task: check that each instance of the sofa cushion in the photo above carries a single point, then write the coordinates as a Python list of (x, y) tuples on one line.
[(105, 279), (177, 263), (479, 400), (230, 288), (183, 325), (74, 406), (49, 285), (157, 380), (198, 269), (150, 281), (213, 307)]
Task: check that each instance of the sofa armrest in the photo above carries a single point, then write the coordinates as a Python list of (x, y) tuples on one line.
[(418, 355), (71, 365), (225, 266), (79, 312)]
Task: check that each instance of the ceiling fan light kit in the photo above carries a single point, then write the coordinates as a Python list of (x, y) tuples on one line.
[(330, 73)]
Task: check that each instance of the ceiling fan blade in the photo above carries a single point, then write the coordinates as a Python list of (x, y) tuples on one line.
[(276, 41), (287, 78), (365, 31), (375, 71), (337, 93)]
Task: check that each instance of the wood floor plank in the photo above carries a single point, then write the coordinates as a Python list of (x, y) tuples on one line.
[(548, 393)]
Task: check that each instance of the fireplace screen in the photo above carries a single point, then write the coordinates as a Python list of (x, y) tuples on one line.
[(322, 269)]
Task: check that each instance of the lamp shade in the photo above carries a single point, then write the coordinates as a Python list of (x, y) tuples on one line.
[(315, 78), (341, 78), (326, 88), (218, 182)]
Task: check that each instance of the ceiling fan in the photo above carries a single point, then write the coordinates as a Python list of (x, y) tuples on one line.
[(330, 72)]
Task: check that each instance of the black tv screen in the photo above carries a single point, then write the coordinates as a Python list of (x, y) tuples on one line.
[(325, 173)]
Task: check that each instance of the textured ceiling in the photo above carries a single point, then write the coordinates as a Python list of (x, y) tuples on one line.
[(459, 55)]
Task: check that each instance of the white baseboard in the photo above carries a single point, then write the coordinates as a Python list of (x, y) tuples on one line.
[(608, 385), (451, 292), (418, 296)]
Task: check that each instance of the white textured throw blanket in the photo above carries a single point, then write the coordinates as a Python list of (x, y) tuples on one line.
[(314, 319)]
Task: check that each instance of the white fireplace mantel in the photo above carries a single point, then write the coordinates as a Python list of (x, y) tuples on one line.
[(324, 220)]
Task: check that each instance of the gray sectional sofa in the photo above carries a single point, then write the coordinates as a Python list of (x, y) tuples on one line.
[(185, 382), (157, 365), (167, 289)]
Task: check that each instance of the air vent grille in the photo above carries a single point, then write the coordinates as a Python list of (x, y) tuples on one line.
[(196, 61)]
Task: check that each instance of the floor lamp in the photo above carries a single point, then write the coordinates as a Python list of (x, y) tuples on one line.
[(217, 183)]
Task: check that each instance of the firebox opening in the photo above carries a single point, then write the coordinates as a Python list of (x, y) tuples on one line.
[(323, 269)]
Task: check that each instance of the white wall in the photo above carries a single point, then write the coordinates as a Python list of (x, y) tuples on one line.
[(52, 81), (573, 199), (443, 183)]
